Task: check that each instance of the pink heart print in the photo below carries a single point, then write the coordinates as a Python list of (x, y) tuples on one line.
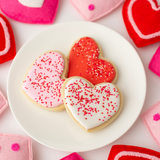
[(33, 11), (95, 9), (43, 81)]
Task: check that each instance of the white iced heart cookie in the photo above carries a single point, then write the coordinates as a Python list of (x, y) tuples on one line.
[(93, 107), (32, 3)]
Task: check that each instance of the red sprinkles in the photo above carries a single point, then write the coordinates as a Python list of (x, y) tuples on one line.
[(86, 102), (43, 82)]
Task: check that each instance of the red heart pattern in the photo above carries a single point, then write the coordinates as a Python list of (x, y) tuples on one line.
[(124, 152), (7, 41), (85, 60), (141, 18)]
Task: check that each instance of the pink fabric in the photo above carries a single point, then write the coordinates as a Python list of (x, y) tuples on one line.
[(73, 156), (94, 9), (6, 143), (154, 64), (3, 103), (44, 15), (152, 125)]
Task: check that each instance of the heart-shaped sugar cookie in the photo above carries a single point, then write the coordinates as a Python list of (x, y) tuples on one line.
[(30, 11), (44, 80), (94, 9), (92, 107), (141, 18), (86, 60), (7, 42)]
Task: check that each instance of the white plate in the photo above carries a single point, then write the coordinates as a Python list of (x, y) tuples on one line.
[(56, 129)]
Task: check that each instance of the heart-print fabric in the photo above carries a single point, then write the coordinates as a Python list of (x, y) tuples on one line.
[(124, 152), (7, 41), (141, 18), (91, 106), (43, 82), (17, 11), (95, 9), (85, 60)]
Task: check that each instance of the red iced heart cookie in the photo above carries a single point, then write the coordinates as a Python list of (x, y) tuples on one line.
[(30, 11), (124, 152), (92, 107), (141, 18), (7, 42), (86, 60), (94, 9), (44, 80)]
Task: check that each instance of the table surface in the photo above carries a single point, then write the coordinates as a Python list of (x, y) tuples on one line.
[(138, 133)]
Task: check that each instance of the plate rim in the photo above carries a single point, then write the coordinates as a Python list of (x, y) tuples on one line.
[(66, 23)]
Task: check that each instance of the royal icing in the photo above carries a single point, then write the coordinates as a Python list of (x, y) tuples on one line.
[(7, 37), (91, 106), (84, 62), (134, 25), (43, 82), (32, 3), (135, 154)]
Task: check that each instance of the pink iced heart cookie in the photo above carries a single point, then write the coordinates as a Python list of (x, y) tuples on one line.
[(15, 147), (30, 11), (73, 156), (95, 9), (3, 103), (44, 80), (151, 119), (92, 107)]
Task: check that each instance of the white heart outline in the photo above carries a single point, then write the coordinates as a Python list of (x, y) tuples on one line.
[(135, 154), (32, 3), (141, 35), (7, 37)]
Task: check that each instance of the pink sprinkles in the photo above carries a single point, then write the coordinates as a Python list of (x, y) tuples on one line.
[(90, 101)]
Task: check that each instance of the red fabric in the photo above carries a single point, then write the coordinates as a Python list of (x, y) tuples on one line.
[(12, 51), (146, 18), (119, 148)]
